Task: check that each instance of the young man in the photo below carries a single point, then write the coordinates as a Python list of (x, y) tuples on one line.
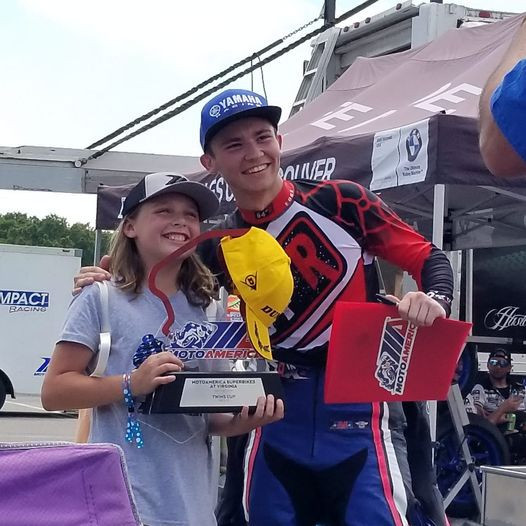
[(503, 112), (501, 401), (496, 396), (310, 469)]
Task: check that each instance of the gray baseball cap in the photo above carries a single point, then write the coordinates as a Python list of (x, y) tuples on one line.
[(168, 182)]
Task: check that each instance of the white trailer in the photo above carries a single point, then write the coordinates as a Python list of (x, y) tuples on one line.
[(405, 26), (35, 291)]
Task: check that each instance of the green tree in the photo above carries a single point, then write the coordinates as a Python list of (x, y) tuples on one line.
[(52, 231)]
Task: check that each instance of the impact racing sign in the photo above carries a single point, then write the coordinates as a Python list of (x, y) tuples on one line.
[(24, 300)]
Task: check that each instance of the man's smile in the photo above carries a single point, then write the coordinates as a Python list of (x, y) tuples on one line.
[(256, 169)]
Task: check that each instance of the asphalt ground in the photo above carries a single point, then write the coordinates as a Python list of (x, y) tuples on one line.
[(24, 420)]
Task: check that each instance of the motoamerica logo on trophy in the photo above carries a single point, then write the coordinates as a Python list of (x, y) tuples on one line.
[(259, 270)]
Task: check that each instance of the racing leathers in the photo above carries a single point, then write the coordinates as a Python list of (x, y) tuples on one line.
[(342, 464)]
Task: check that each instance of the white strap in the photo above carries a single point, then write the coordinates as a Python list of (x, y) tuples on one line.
[(105, 336), (212, 310)]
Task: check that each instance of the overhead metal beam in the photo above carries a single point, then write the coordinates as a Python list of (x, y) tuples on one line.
[(55, 170), (507, 193), (412, 209), (473, 206)]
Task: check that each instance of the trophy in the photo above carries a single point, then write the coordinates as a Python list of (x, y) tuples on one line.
[(259, 270)]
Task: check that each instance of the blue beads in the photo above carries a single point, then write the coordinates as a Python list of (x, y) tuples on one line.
[(149, 345), (133, 433)]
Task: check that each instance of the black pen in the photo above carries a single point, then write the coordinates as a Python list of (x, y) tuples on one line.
[(385, 300)]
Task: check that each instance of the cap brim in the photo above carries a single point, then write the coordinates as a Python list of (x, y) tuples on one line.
[(501, 355), (206, 200), (258, 334), (270, 113)]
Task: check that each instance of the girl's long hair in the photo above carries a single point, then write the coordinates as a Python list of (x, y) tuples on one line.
[(127, 269)]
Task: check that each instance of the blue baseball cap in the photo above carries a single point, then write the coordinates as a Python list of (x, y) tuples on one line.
[(231, 105)]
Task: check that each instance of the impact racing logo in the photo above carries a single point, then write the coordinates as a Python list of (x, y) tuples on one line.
[(42, 369), (24, 300), (394, 355)]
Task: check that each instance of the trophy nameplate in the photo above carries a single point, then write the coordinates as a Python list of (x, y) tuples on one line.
[(212, 392)]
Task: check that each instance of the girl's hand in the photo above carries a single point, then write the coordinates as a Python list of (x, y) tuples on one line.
[(150, 373), (267, 411)]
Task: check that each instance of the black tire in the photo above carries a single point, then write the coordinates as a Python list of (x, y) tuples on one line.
[(3, 393), (487, 446)]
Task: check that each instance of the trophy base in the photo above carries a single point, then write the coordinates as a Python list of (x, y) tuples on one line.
[(218, 392)]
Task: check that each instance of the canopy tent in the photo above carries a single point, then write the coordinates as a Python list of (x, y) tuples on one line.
[(404, 125)]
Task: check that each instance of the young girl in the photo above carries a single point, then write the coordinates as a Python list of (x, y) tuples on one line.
[(171, 473)]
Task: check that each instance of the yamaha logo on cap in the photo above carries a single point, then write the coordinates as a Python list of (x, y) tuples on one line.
[(215, 111), (230, 105), (235, 101)]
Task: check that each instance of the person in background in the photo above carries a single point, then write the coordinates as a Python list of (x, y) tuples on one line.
[(503, 112), (501, 401), (496, 396)]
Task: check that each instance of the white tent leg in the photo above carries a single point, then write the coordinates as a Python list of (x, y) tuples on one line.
[(469, 285), (455, 258), (98, 243), (439, 211)]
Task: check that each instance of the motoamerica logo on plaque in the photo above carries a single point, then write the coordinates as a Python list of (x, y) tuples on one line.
[(394, 355)]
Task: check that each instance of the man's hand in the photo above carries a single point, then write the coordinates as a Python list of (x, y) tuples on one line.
[(418, 308), (88, 275), (511, 404), (150, 373), (267, 411)]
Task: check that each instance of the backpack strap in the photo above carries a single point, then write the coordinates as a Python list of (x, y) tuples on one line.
[(105, 336), (212, 310)]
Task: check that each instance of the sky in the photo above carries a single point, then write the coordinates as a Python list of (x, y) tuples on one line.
[(72, 71)]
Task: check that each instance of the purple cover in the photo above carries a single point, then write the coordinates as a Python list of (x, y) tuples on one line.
[(65, 484)]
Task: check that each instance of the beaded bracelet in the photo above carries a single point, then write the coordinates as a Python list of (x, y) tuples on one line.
[(133, 428)]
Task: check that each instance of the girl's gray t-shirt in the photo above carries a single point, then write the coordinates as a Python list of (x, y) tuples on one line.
[(171, 476)]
